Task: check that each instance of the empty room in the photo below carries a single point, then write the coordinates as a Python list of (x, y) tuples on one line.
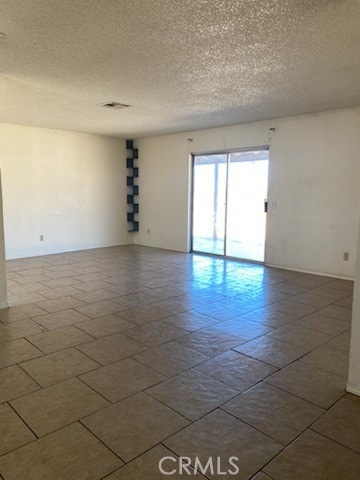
[(179, 239)]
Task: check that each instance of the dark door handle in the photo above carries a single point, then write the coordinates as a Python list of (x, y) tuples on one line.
[(265, 206)]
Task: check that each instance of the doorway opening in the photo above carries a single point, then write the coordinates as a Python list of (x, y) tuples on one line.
[(229, 199)]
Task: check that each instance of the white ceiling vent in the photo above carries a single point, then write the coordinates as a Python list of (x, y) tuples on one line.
[(115, 105)]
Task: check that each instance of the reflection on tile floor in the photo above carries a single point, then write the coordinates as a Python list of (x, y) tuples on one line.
[(113, 358)]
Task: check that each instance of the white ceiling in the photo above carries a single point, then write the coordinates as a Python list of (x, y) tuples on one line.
[(180, 64)]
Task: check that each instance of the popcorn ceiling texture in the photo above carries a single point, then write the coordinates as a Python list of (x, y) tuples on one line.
[(180, 64)]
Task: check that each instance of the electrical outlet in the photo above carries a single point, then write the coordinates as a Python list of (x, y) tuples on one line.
[(346, 256), (41, 238)]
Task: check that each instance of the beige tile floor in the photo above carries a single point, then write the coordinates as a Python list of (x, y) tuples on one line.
[(111, 359)]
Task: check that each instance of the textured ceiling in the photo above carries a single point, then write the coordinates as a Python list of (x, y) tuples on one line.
[(180, 64)]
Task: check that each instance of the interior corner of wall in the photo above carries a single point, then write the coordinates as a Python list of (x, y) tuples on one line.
[(4, 305), (354, 389)]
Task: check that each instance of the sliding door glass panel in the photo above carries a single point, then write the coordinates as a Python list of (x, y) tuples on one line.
[(247, 191), (209, 200)]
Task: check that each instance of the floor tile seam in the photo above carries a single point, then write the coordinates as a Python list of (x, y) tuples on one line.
[(344, 322), (192, 348), (152, 346), (122, 333), (94, 303), (77, 325), (262, 322), (203, 415), (66, 424), (259, 360), (290, 363), (302, 345), (179, 374), (218, 323), (86, 302), (326, 296), (23, 337), (272, 439), (60, 349), (58, 382), (61, 309), (178, 456), (76, 347), (284, 341), (29, 317), (317, 308), (234, 388), (265, 473), (305, 399), (110, 403), (322, 368), (79, 421), (176, 326), (116, 402), (55, 313), (344, 379), (284, 445), (336, 336), (132, 357), (27, 276), (24, 421), (326, 412), (147, 394), (28, 375), (348, 322), (169, 407), (166, 376), (16, 363), (335, 441)]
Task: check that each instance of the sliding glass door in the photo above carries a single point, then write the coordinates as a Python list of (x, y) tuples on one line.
[(208, 203), (246, 218), (228, 204)]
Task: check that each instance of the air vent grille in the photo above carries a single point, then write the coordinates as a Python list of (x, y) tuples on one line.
[(115, 105)]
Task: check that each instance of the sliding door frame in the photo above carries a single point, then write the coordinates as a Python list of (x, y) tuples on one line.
[(227, 153)]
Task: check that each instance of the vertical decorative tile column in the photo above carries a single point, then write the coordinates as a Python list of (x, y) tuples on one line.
[(133, 188)]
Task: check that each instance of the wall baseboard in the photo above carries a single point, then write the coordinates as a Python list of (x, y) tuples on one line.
[(59, 252), (353, 389), (4, 305), (311, 272)]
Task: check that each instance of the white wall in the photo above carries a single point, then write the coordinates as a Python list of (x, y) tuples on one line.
[(164, 192), (3, 284), (69, 187), (314, 175), (353, 384)]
